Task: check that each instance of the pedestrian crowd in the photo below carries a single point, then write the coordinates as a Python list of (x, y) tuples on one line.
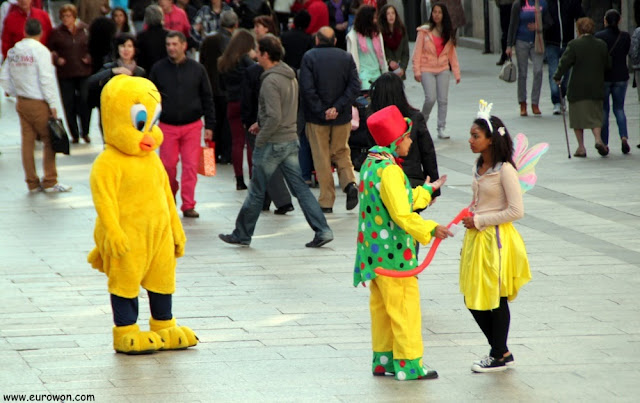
[(303, 89), (591, 71)]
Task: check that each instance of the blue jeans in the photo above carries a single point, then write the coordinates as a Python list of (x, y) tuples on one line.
[(304, 157), (553, 54), (266, 160), (617, 90)]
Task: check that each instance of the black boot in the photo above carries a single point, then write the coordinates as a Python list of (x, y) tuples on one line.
[(503, 58), (240, 183)]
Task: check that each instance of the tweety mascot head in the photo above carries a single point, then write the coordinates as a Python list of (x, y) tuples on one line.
[(130, 109)]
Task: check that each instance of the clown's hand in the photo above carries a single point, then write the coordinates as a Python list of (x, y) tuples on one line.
[(442, 232), (436, 184), (116, 244)]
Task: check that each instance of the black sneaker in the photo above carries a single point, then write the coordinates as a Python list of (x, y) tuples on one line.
[(509, 361), (489, 364), (231, 239), (284, 209), (318, 242), (327, 210), (352, 196)]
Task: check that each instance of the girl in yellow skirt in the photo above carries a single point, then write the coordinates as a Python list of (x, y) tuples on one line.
[(493, 263)]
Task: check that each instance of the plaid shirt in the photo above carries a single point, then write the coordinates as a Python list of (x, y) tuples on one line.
[(210, 22)]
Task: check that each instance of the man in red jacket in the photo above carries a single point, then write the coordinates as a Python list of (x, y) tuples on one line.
[(13, 31), (319, 15)]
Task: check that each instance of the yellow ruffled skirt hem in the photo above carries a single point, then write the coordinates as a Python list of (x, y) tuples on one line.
[(487, 271)]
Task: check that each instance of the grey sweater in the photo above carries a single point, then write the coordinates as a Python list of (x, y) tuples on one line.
[(278, 105)]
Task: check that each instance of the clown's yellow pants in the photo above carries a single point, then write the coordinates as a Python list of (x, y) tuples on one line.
[(396, 322)]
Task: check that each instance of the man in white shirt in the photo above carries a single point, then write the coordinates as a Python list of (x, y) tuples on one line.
[(29, 75)]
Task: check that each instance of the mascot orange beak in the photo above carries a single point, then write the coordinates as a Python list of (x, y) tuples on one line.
[(147, 143)]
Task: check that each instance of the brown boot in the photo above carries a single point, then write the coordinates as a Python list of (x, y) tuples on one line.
[(523, 109), (535, 109)]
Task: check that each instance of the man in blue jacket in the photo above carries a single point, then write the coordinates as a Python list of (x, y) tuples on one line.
[(329, 85)]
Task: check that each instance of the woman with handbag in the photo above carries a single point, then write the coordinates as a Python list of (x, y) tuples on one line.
[(615, 80), (525, 35)]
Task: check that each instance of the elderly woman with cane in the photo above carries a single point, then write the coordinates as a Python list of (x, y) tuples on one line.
[(589, 58)]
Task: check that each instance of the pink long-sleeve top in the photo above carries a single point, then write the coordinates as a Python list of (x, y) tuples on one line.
[(427, 60)]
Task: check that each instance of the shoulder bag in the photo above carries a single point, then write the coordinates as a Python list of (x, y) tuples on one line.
[(59, 137), (508, 72)]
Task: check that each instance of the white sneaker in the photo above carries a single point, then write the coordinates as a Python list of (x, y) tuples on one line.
[(442, 134), (36, 190), (58, 188), (557, 109)]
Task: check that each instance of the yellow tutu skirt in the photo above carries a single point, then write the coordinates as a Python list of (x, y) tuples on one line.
[(492, 267)]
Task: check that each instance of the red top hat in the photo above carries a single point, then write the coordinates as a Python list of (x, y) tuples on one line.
[(388, 125)]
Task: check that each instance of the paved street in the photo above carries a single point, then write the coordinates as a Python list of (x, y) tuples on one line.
[(281, 322)]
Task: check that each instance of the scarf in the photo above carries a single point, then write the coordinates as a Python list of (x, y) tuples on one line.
[(393, 39), (131, 66), (362, 42), (379, 153)]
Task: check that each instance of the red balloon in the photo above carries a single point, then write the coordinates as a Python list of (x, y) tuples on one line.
[(432, 251)]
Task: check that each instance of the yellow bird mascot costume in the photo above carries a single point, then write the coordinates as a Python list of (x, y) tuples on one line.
[(138, 233)]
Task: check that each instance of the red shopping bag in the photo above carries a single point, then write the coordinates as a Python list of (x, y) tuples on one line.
[(207, 163)]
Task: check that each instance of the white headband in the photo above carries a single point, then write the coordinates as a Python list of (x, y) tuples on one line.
[(484, 113)]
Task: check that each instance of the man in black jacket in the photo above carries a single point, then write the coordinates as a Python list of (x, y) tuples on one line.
[(151, 42), (186, 97), (296, 41), (329, 85), (559, 24)]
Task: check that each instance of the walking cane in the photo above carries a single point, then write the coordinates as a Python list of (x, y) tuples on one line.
[(564, 119)]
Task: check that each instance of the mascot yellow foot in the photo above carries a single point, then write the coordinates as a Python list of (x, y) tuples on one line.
[(174, 337), (130, 340)]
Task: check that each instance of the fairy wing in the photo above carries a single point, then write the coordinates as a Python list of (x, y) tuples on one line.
[(520, 144), (526, 160)]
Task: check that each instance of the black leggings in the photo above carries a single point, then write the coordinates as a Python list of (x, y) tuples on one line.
[(125, 310), (495, 326)]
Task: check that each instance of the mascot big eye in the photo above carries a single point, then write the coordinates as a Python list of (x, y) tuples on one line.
[(138, 233)]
